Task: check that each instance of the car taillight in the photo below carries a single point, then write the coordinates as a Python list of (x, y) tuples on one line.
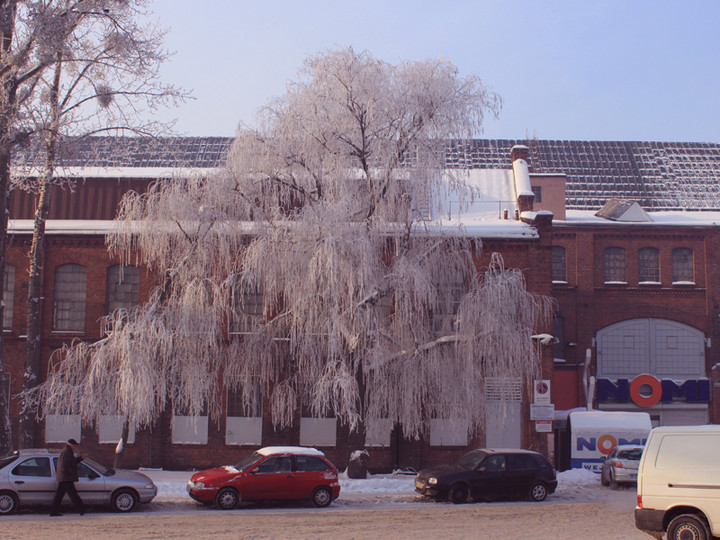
[(619, 465), (639, 503)]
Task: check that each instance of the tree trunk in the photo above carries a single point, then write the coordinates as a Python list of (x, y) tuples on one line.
[(7, 99), (122, 443), (33, 362)]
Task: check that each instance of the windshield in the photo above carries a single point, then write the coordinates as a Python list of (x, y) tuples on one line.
[(7, 460), (633, 455), (471, 460), (245, 462), (102, 469)]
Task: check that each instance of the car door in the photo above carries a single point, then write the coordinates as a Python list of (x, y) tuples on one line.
[(521, 471), (272, 478), (33, 480), (311, 472), (488, 479), (91, 485)]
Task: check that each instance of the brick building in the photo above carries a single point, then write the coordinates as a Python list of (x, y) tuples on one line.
[(634, 287)]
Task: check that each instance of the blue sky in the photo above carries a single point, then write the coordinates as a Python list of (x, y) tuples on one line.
[(605, 70)]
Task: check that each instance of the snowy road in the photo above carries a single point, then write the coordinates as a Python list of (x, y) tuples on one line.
[(382, 506)]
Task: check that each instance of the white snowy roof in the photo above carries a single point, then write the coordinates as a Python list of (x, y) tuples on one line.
[(301, 450), (480, 210), (676, 218), (63, 226), (616, 420)]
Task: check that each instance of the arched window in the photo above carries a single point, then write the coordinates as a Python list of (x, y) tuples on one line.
[(649, 265), (70, 294), (123, 287), (615, 265), (559, 267), (8, 295), (682, 265)]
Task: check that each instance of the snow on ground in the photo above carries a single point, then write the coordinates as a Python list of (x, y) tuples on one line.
[(575, 485)]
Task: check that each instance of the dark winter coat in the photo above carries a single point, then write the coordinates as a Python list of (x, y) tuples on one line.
[(67, 467)]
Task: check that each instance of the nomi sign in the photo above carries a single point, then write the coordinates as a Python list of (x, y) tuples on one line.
[(646, 390)]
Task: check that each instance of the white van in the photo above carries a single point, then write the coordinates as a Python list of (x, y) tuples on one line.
[(678, 483)]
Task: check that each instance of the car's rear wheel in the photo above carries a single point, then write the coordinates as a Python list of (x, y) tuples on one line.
[(603, 481), (458, 494), (321, 496), (688, 527), (8, 502), (538, 491), (124, 500), (613, 481), (227, 498)]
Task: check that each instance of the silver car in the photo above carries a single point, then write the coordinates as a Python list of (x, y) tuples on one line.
[(27, 478), (621, 465)]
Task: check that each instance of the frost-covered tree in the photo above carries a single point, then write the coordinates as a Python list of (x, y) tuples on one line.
[(104, 79), (304, 268)]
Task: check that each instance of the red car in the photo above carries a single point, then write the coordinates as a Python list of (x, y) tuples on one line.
[(271, 473)]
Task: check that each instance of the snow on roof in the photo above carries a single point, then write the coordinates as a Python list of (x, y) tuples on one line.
[(481, 209), (616, 420), (301, 450), (63, 226), (675, 218)]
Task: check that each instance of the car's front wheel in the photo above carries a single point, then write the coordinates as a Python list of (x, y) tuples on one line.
[(124, 500), (227, 498), (321, 496), (8, 502), (538, 491), (458, 494), (688, 527)]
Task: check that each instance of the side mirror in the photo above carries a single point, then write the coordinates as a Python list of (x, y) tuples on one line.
[(254, 470), (93, 475)]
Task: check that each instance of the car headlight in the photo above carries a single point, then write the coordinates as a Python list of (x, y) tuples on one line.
[(432, 480), (197, 484)]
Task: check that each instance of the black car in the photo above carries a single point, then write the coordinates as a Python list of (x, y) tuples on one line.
[(489, 474)]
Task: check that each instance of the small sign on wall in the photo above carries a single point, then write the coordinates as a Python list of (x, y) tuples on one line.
[(543, 426), (542, 391)]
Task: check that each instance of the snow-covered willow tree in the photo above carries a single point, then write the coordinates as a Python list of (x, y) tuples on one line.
[(303, 269)]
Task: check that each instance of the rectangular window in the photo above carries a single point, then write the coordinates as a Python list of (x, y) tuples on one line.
[(8, 296), (248, 306), (321, 431), (682, 266), (243, 423), (70, 291), (61, 427), (110, 429), (649, 265), (448, 432), (450, 293), (123, 287), (615, 265), (378, 431), (537, 191), (559, 267), (189, 429)]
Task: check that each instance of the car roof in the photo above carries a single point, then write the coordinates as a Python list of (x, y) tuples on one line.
[(506, 451), (298, 450), (41, 451), (629, 447)]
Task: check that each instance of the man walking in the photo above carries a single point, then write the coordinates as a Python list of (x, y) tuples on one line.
[(67, 475)]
